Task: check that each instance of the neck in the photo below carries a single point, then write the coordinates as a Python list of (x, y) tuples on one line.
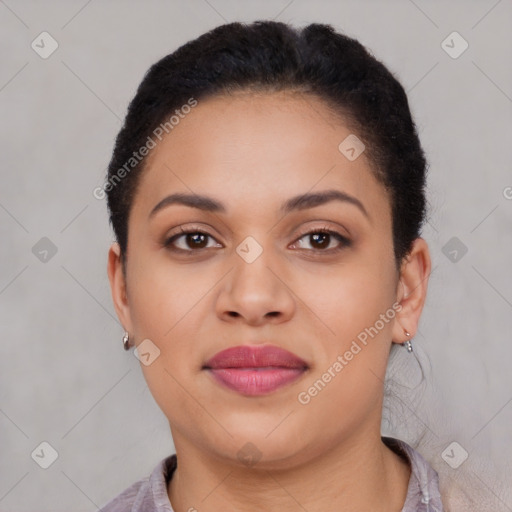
[(358, 474)]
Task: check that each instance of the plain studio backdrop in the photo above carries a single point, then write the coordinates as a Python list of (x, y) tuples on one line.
[(67, 387)]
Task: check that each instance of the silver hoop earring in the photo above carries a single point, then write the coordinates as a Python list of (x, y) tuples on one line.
[(408, 344), (126, 341)]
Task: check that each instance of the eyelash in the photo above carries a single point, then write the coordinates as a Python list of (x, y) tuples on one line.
[(344, 241)]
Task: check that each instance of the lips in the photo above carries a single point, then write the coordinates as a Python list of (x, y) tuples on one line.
[(255, 370), (261, 356)]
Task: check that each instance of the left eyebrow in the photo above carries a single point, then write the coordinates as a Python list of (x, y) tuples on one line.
[(310, 200), (300, 202)]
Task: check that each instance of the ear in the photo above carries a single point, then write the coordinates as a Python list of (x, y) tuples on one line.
[(118, 286), (412, 291)]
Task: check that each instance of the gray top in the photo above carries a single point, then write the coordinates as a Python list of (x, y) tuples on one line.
[(150, 493)]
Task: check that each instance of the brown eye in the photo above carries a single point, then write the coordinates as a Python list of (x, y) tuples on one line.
[(190, 241), (320, 240)]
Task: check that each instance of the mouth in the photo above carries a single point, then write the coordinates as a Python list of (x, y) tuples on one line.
[(255, 370)]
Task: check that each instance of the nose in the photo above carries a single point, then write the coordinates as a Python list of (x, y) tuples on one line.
[(256, 293)]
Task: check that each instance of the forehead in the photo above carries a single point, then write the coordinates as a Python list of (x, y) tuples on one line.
[(254, 149)]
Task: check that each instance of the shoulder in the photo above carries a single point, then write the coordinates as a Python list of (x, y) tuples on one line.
[(475, 485), (148, 494), (125, 501)]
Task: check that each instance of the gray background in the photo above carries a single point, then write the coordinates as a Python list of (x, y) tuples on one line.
[(64, 376)]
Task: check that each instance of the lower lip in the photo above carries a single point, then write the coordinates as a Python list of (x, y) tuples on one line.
[(254, 382)]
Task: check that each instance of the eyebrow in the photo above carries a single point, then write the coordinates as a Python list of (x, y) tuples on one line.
[(300, 202)]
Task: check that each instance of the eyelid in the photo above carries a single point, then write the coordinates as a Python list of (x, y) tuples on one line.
[(344, 240), (183, 231)]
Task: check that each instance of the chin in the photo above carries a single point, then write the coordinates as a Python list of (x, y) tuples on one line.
[(263, 443)]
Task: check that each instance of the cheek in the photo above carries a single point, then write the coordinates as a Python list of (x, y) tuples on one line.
[(346, 385), (351, 298), (356, 305), (162, 295), (165, 308)]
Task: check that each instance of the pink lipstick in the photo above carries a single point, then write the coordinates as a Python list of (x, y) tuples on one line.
[(255, 370)]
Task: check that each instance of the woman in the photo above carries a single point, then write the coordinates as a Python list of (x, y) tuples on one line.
[(267, 196)]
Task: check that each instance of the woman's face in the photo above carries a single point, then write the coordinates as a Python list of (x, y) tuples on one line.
[(256, 278)]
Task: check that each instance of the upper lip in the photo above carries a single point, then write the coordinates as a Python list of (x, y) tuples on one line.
[(245, 356)]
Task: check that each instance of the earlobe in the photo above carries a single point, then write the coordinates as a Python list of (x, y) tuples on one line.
[(412, 290), (118, 285)]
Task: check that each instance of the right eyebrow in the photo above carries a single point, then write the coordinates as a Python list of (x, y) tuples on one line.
[(192, 200)]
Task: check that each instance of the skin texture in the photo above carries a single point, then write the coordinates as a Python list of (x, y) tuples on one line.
[(252, 152)]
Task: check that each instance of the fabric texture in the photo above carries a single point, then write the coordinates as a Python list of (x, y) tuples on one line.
[(150, 493)]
